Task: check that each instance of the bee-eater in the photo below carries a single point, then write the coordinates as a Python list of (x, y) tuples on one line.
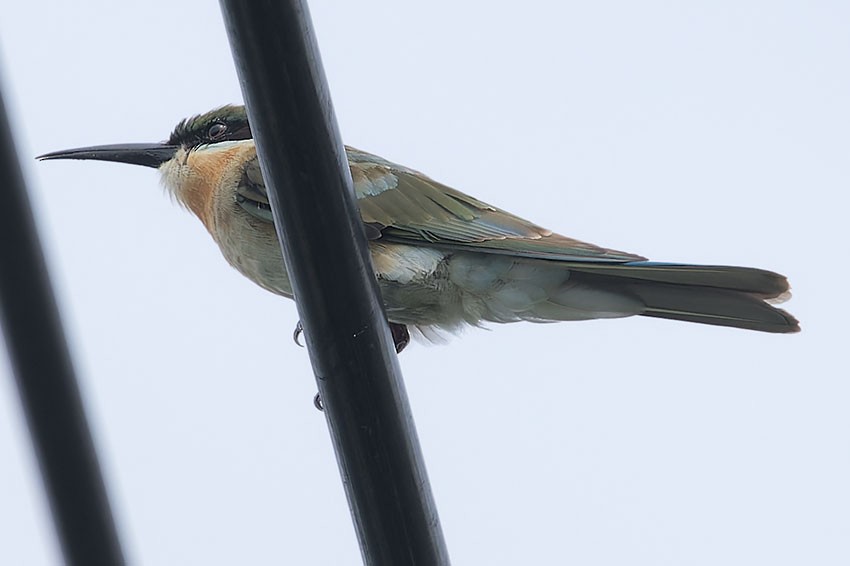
[(443, 259)]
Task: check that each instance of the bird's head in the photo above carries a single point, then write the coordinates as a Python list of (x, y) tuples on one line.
[(202, 153)]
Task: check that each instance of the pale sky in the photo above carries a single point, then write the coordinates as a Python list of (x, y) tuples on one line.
[(711, 132)]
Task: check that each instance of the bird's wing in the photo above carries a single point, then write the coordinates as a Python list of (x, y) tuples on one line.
[(406, 206), (401, 205)]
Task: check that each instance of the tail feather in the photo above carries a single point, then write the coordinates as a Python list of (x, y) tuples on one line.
[(758, 282), (719, 307), (717, 295)]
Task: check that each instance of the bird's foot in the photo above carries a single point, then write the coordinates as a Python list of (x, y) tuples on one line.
[(401, 336), (296, 334), (317, 402)]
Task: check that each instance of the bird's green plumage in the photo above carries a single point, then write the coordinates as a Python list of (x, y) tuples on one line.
[(404, 206)]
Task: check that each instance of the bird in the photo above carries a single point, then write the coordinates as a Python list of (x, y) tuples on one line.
[(443, 259)]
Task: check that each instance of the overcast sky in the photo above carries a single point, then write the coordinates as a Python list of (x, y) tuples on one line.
[(712, 132)]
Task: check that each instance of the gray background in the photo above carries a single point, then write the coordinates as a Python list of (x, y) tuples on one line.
[(713, 132)]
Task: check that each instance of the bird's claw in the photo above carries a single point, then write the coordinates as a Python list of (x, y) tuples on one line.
[(401, 336), (296, 334), (317, 402)]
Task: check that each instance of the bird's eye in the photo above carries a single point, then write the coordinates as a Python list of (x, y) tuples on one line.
[(216, 132)]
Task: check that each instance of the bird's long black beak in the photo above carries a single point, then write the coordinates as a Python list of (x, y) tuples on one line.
[(147, 154)]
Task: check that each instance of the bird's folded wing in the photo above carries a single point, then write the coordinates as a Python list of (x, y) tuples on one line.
[(406, 206), (401, 205)]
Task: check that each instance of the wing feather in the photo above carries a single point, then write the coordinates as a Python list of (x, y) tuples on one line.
[(398, 204), (412, 208)]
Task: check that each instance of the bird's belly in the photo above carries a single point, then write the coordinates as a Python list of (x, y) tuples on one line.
[(413, 280)]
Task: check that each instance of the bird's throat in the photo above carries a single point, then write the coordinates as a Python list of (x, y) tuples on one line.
[(204, 178)]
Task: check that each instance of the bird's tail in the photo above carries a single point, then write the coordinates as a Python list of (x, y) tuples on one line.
[(739, 297)]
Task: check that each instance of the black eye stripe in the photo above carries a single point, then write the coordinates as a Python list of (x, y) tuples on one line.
[(213, 131), (195, 130), (241, 131)]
